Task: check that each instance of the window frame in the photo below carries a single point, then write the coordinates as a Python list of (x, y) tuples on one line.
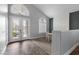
[(43, 23)]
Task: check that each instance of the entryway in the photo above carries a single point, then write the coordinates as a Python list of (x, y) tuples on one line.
[(19, 28)]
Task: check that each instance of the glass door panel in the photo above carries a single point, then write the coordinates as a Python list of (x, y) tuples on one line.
[(16, 31), (25, 28), (19, 28)]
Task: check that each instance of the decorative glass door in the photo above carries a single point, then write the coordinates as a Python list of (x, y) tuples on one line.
[(19, 28), (19, 24), (25, 28), (16, 28)]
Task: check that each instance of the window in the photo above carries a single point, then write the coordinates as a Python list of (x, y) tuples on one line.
[(19, 9), (15, 26), (26, 25), (3, 8), (19, 17), (3, 26), (42, 25)]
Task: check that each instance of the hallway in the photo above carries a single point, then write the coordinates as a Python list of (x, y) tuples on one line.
[(29, 47)]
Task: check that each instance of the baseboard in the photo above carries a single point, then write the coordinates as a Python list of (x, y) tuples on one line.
[(23, 40), (36, 37), (71, 49)]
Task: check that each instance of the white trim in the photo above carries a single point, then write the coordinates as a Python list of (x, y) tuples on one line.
[(35, 37), (71, 49), (26, 39)]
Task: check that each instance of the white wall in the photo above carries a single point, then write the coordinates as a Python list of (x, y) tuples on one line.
[(61, 22), (63, 41), (60, 14)]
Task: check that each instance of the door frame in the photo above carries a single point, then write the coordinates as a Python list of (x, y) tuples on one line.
[(10, 24)]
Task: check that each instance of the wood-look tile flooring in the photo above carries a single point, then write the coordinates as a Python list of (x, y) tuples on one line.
[(29, 47), (75, 52)]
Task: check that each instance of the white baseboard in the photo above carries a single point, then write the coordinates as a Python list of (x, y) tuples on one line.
[(36, 37), (71, 49)]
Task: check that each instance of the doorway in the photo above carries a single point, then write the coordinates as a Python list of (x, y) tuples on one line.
[(19, 28), (50, 25)]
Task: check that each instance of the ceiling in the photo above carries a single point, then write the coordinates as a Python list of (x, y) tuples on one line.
[(54, 9)]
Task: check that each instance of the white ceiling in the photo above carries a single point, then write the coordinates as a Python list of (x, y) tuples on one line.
[(54, 9)]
